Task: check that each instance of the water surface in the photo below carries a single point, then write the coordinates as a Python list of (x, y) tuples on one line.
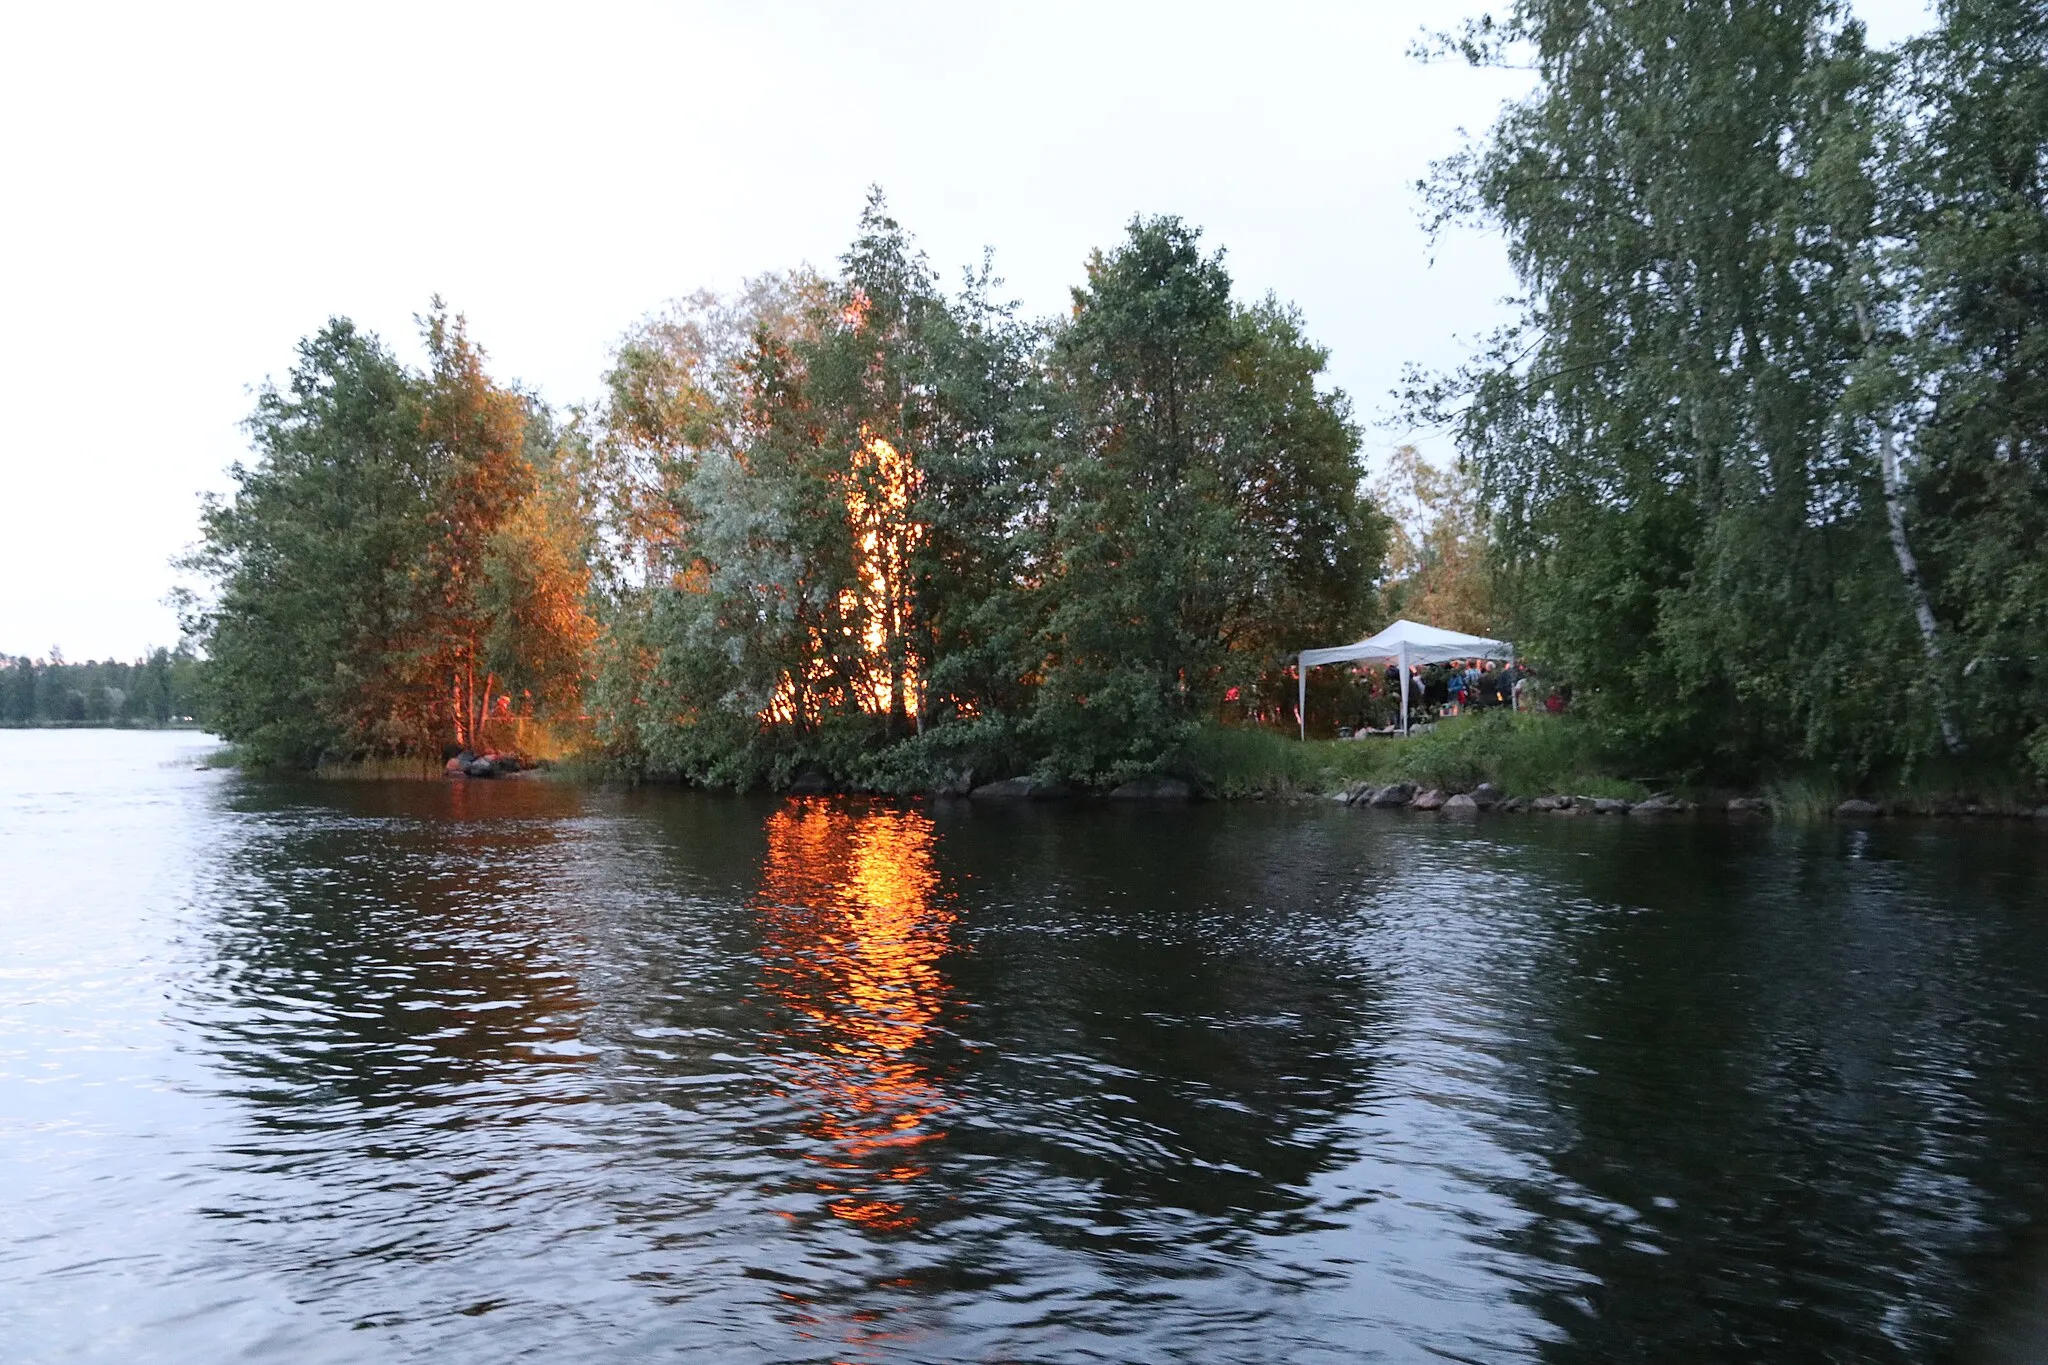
[(496, 1071)]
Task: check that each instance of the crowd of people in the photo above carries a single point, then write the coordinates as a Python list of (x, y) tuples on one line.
[(1373, 701)]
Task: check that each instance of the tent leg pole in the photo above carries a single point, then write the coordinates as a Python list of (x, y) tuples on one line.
[(1404, 690)]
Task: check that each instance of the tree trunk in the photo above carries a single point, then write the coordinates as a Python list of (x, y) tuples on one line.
[(1909, 567)]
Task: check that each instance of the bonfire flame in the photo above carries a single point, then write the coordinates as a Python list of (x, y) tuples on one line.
[(881, 485)]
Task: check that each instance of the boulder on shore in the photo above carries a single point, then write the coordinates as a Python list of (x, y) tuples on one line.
[(1432, 799), (1749, 805), (1400, 794), (1020, 789), (1550, 803), (1663, 803), (1485, 796), (1154, 789), (1606, 805), (481, 767), (1857, 809), (1513, 805), (1461, 804)]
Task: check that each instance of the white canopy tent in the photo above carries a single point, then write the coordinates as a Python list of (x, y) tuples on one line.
[(1405, 643)]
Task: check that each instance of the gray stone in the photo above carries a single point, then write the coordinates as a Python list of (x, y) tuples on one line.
[(1749, 805), (1359, 794), (1548, 803), (1461, 804), (1400, 794), (1513, 805), (481, 767), (1485, 796), (955, 784), (2041, 813), (1856, 809), (1610, 805), (1663, 803), (1020, 789), (1154, 789), (1429, 800)]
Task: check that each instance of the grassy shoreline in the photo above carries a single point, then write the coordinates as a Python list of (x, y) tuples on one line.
[(1518, 755)]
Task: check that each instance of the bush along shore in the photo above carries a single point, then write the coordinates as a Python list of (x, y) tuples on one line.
[(1491, 763)]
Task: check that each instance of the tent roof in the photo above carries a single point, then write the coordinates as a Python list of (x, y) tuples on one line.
[(1426, 644)]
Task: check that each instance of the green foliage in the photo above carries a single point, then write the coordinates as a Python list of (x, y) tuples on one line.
[(1206, 519), (1752, 250), (1967, 191), (893, 535), (1521, 754), (385, 553), (310, 554)]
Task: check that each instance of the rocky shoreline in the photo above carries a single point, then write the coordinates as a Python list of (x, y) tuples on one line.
[(1482, 799)]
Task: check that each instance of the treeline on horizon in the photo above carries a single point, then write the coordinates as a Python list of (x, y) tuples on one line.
[(1760, 472), (163, 687)]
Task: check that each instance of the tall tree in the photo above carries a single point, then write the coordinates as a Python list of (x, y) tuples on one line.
[(311, 557), (1205, 503), (1964, 322), (1688, 495), (391, 568)]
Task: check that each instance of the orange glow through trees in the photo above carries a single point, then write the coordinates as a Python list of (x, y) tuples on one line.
[(875, 614)]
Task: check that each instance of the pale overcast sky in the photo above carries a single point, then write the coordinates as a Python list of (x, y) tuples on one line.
[(189, 189)]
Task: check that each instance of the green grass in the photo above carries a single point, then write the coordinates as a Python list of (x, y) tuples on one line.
[(1944, 788), (1805, 798), (1523, 755)]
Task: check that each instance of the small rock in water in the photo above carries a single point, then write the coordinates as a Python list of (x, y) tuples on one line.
[(1429, 800), (1749, 805), (1400, 794), (1485, 796), (1547, 803), (1513, 805), (1461, 804), (1609, 805), (1858, 809), (482, 767)]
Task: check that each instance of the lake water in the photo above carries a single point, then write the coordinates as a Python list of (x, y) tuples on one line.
[(517, 1070)]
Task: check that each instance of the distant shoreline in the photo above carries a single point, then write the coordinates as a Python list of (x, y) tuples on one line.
[(189, 725)]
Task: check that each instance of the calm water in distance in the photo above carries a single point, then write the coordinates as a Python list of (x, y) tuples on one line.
[(517, 1070)]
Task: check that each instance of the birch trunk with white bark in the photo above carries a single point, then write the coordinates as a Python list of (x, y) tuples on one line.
[(1909, 567)]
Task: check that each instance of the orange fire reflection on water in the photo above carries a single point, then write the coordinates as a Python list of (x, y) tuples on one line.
[(855, 930)]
